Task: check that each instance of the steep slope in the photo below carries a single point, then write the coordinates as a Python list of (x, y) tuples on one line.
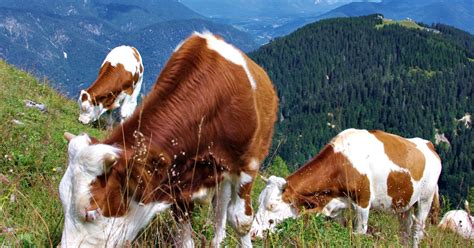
[(353, 72)]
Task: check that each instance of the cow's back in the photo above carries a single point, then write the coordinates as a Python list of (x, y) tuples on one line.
[(400, 171), (266, 104)]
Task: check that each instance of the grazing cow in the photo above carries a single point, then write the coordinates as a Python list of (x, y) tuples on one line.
[(118, 83), (459, 221), (358, 168), (207, 123)]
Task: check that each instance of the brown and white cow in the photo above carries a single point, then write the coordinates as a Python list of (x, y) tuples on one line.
[(459, 221), (360, 169), (207, 123), (118, 84)]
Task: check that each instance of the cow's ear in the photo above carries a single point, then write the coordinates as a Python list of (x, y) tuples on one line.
[(110, 160), (69, 136)]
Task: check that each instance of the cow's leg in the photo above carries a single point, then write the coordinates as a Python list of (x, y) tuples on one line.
[(361, 219), (422, 212), (221, 202), (130, 102), (128, 106), (240, 207), (406, 223), (181, 213)]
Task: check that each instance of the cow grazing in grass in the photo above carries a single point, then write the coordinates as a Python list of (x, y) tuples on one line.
[(359, 169), (206, 124), (459, 221), (118, 84)]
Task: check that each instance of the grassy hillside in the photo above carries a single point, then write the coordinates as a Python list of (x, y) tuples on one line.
[(33, 159)]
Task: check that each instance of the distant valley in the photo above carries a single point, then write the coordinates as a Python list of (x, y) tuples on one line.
[(67, 43), (269, 19)]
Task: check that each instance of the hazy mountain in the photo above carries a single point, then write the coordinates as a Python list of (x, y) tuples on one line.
[(68, 42), (264, 19), (458, 13)]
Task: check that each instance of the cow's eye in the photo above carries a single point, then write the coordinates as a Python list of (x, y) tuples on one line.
[(271, 221)]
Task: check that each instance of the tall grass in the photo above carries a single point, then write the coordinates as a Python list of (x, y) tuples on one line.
[(33, 159)]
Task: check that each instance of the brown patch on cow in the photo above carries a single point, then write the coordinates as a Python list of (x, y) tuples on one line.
[(433, 149), (200, 120), (136, 54), (327, 176), (141, 68), (403, 153), (400, 188), (111, 81)]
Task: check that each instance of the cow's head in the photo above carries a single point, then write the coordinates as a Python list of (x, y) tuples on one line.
[(84, 225), (272, 208), (89, 112)]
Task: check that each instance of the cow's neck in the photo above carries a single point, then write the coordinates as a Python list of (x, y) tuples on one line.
[(158, 164), (308, 187), (328, 176)]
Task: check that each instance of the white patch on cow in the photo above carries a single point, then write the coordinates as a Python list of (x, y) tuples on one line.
[(229, 52), (237, 217), (200, 195), (180, 44), (90, 113), (123, 55), (245, 178), (184, 238), (109, 232), (460, 222), (221, 203), (130, 101), (254, 164), (86, 162), (334, 207), (272, 210)]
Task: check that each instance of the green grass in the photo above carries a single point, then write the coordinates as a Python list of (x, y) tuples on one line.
[(33, 159), (403, 23)]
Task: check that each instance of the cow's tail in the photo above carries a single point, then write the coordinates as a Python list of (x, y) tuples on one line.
[(435, 208)]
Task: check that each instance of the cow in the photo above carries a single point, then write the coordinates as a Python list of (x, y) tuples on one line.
[(459, 221), (359, 169), (118, 84), (205, 126)]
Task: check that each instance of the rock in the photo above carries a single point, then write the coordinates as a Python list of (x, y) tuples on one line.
[(17, 122), (31, 104)]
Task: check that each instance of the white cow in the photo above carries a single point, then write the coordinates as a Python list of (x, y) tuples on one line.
[(459, 221)]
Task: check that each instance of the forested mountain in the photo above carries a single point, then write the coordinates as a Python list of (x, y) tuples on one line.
[(458, 13), (67, 41), (370, 73)]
